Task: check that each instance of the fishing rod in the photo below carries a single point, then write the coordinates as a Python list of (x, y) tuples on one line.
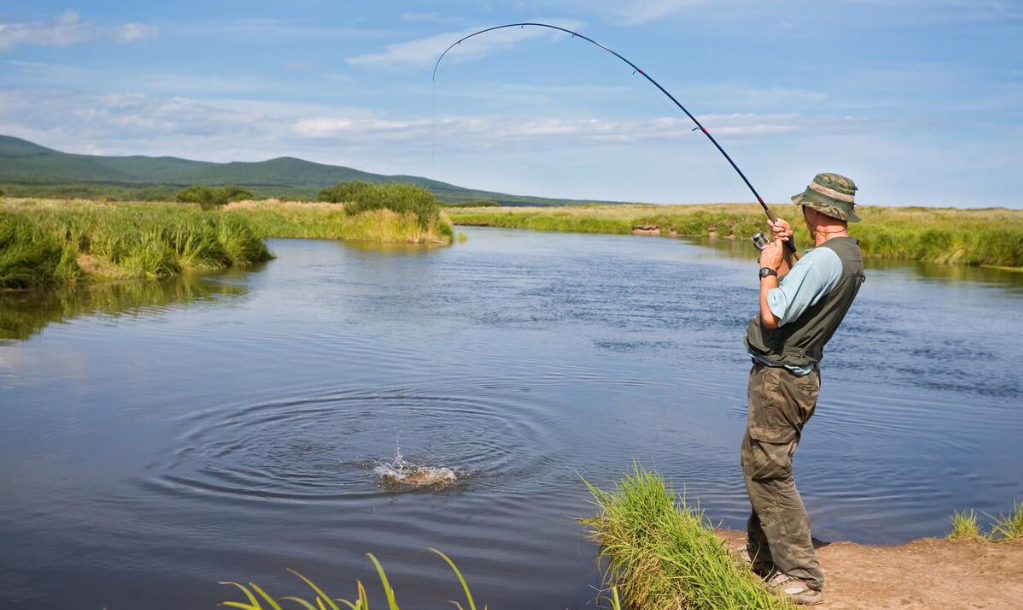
[(636, 69)]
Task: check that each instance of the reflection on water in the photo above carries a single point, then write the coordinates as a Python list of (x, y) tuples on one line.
[(166, 437), (26, 313)]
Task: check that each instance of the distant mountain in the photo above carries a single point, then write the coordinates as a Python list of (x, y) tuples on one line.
[(27, 169)]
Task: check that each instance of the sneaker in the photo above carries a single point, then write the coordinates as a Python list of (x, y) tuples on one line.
[(794, 589)]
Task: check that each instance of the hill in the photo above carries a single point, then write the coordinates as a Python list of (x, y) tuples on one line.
[(28, 169)]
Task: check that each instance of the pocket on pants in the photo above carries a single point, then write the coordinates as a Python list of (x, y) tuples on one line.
[(770, 451)]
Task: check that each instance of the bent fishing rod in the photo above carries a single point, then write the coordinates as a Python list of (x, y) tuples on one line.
[(636, 69)]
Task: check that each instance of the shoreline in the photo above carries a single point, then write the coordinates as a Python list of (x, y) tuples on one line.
[(989, 237), (921, 574)]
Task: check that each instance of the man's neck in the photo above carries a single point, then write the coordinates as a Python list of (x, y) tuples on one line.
[(823, 234)]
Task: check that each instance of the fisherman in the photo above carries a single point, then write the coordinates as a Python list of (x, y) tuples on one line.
[(801, 306)]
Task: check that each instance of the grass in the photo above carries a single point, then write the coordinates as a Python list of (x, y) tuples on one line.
[(256, 597), (50, 243), (964, 526), (329, 221), (660, 553), (1004, 527), (990, 237), (1009, 527)]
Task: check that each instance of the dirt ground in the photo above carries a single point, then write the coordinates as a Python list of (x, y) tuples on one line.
[(929, 573)]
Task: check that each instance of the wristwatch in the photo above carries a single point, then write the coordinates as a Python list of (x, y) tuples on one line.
[(766, 271)]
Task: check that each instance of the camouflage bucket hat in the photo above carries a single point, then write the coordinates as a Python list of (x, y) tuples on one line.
[(830, 194)]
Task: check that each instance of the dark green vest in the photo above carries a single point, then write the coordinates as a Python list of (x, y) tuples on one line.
[(801, 342)]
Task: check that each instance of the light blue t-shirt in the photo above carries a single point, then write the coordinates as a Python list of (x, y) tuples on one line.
[(812, 277)]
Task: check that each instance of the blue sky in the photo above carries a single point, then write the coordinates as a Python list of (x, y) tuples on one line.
[(919, 101)]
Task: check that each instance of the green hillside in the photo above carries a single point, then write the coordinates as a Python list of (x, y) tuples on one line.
[(30, 170)]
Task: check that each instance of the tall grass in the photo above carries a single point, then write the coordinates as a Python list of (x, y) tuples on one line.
[(992, 236), (256, 597), (61, 243), (661, 553)]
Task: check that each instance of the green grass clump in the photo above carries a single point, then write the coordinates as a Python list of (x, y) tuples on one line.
[(661, 553), (965, 527), (29, 256), (1004, 527), (1009, 527), (256, 596)]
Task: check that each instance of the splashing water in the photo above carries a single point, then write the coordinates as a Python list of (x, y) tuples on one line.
[(402, 472)]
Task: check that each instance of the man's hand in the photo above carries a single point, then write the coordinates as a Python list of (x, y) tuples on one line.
[(773, 255), (780, 229)]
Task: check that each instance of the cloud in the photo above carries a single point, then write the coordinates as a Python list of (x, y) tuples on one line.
[(425, 51), (68, 30)]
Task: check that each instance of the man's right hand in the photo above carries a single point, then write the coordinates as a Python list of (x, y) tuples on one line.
[(780, 229)]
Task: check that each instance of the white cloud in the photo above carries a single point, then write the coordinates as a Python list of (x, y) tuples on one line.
[(425, 51), (67, 30)]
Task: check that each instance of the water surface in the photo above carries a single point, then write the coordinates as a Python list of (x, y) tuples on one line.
[(154, 441)]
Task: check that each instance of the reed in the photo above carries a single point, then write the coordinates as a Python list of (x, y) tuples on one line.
[(992, 236), (660, 553), (256, 597)]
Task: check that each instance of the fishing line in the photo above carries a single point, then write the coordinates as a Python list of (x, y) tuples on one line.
[(636, 70)]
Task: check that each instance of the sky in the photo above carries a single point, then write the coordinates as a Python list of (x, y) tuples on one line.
[(919, 101)]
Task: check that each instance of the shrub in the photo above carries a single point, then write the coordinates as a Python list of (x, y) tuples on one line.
[(345, 192), (214, 196), (401, 198)]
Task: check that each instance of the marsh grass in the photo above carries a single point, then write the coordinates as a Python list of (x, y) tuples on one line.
[(992, 236), (256, 597), (660, 553), (50, 243)]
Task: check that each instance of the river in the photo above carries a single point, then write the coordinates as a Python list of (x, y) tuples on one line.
[(155, 440)]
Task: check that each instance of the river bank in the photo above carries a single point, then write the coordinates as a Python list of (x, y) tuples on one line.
[(919, 575), (53, 242), (989, 237)]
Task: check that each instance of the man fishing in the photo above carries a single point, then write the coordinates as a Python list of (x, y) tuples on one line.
[(801, 307)]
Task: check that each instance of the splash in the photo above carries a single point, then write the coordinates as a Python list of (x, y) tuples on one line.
[(401, 472)]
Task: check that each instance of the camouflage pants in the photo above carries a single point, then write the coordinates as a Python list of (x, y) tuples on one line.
[(780, 404)]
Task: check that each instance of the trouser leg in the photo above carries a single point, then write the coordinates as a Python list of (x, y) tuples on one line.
[(778, 528)]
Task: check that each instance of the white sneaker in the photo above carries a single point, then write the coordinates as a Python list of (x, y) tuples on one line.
[(795, 589)]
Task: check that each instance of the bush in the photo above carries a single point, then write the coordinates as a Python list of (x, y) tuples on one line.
[(345, 192), (214, 196), (401, 198)]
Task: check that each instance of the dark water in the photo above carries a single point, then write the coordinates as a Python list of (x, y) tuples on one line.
[(156, 440)]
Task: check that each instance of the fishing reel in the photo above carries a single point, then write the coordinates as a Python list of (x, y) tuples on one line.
[(760, 241)]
